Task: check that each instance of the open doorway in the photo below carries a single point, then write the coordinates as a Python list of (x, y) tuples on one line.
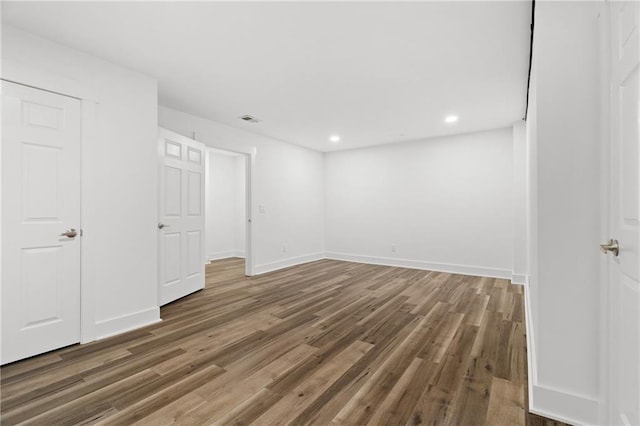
[(227, 206)]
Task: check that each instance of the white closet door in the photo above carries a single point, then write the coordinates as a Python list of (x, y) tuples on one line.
[(41, 136)]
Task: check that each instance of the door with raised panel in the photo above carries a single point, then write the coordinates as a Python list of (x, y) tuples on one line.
[(181, 216), (41, 136), (624, 215)]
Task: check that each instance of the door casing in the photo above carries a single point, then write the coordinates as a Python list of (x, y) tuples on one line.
[(609, 180), (248, 158)]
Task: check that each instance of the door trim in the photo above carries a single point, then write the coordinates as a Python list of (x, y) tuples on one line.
[(248, 162), (27, 75), (604, 27), (611, 183)]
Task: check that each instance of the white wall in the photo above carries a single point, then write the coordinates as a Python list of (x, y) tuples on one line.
[(225, 206), (444, 203), (530, 295), (520, 182), (287, 181), (564, 283), (119, 176)]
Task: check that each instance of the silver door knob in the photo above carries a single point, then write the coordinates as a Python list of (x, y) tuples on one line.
[(611, 246), (162, 225), (70, 233)]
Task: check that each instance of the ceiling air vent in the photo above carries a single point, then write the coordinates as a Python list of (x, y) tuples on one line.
[(249, 118)]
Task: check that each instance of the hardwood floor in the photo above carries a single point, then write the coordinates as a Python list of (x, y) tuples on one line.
[(535, 420), (323, 343)]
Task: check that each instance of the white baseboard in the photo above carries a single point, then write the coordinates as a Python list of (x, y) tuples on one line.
[(548, 401), (418, 264), (285, 263), (520, 279), (122, 324), (224, 255), (577, 409)]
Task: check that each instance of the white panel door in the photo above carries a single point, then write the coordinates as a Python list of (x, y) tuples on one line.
[(40, 201), (625, 214), (181, 216)]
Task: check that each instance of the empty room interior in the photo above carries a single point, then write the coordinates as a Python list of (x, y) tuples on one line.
[(329, 213)]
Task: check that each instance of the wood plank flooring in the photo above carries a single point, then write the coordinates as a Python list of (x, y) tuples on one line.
[(535, 420), (323, 343)]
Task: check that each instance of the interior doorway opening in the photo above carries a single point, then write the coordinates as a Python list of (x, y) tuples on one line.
[(227, 206)]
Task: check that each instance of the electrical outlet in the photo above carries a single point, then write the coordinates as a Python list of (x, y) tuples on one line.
[(394, 248), (261, 208), (284, 248)]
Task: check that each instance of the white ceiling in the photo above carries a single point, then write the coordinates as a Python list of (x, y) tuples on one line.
[(373, 73)]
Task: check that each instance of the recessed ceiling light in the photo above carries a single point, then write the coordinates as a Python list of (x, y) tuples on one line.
[(451, 119), (334, 138)]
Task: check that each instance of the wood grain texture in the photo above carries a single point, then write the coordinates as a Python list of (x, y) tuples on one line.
[(536, 420), (323, 343)]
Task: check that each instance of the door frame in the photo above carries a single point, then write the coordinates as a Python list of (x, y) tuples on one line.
[(609, 228), (249, 162), (27, 75), (606, 182)]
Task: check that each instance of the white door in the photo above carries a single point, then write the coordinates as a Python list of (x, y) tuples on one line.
[(40, 201), (624, 356), (181, 216)]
